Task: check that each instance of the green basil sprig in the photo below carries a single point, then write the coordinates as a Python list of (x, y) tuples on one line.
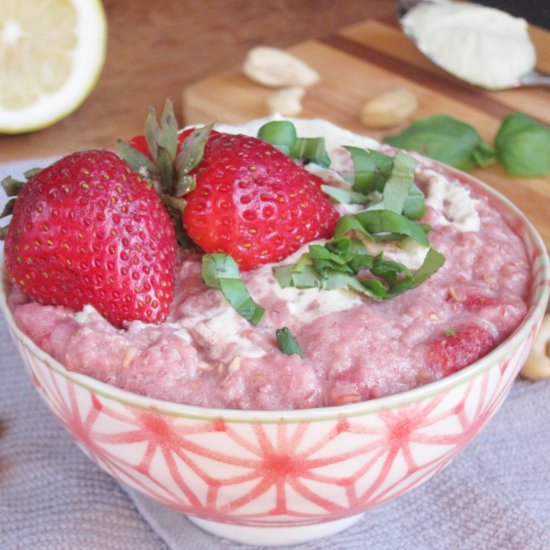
[(523, 146), (446, 139), (220, 271)]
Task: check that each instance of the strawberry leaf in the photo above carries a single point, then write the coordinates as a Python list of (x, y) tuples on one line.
[(192, 149), (189, 157), (168, 138), (166, 170), (185, 184), (12, 186), (136, 159), (31, 172), (8, 209), (152, 133)]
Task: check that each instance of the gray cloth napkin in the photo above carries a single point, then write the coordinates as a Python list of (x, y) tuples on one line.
[(495, 495)]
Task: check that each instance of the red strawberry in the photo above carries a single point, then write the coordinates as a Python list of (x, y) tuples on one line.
[(88, 230), (253, 202), (233, 194), (454, 351), (475, 302)]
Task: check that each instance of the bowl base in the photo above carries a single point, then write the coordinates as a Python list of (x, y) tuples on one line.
[(274, 536)]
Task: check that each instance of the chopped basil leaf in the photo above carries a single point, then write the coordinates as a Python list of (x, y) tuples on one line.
[(397, 187), (220, 271), (344, 263), (523, 146), (282, 135), (415, 205), (279, 133), (381, 225), (445, 139), (343, 196), (372, 169), (349, 224), (433, 261), (287, 342), (450, 332), (311, 150), (394, 176)]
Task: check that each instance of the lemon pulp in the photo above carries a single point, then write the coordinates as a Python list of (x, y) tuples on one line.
[(51, 54)]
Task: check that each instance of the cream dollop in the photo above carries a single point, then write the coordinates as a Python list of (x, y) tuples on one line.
[(482, 45)]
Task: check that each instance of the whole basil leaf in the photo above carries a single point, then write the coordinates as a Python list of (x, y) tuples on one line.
[(523, 146), (446, 139)]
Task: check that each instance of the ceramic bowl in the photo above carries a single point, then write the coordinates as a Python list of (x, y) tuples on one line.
[(285, 477)]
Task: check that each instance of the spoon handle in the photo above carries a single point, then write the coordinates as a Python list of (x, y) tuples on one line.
[(535, 78)]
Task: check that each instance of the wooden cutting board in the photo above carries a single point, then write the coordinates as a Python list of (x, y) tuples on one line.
[(367, 58)]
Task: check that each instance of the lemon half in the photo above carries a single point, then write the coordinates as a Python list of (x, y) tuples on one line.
[(51, 55)]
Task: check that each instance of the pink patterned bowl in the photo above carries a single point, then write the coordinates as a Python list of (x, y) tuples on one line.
[(284, 477)]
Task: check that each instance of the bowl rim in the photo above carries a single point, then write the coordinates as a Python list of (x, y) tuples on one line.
[(539, 298)]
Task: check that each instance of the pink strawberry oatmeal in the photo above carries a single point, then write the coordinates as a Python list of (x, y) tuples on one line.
[(355, 348)]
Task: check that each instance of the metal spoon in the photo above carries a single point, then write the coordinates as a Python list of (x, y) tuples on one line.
[(531, 79)]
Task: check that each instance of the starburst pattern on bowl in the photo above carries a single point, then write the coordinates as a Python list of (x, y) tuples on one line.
[(282, 473)]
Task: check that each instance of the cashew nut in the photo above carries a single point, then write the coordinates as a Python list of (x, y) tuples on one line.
[(388, 108), (287, 101), (537, 366), (277, 68)]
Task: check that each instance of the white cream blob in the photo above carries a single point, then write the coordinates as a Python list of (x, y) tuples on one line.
[(482, 45), (452, 201)]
